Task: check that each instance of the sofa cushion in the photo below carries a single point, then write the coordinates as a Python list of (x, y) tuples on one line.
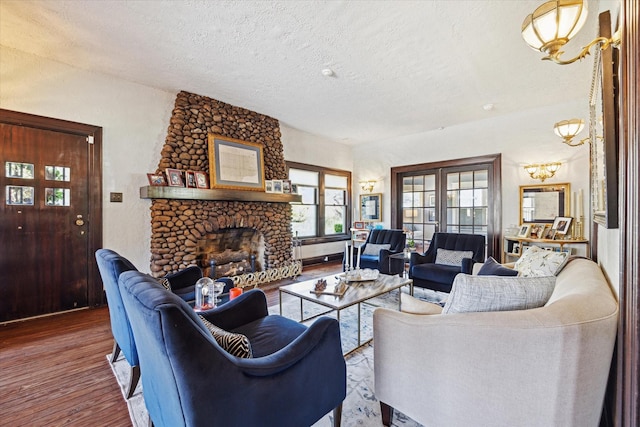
[(235, 344), (537, 262), (491, 267), (374, 249), (497, 293), (447, 257)]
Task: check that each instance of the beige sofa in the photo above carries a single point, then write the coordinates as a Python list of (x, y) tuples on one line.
[(541, 367)]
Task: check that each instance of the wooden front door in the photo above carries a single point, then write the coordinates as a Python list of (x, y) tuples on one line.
[(48, 221)]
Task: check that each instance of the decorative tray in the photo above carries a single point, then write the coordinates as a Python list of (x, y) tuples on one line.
[(365, 275)]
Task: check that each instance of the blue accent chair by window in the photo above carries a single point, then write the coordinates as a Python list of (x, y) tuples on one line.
[(374, 253), (297, 374), (427, 273)]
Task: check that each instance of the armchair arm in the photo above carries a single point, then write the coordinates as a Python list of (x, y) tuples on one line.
[(319, 346), (417, 258), (467, 265), (244, 309), (183, 278)]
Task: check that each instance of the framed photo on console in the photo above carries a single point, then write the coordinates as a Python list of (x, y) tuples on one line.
[(561, 224), (524, 231)]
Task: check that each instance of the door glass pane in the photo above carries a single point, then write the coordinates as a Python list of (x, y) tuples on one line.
[(57, 173), (303, 220), (466, 179), (466, 216), (57, 197), (19, 195), (480, 197), (481, 179), (453, 181), (19, 170), (334, 220), (453, 216), (453, 198), (466, 198)]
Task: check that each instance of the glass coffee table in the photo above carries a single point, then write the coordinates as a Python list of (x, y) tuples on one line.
[(357, 292)]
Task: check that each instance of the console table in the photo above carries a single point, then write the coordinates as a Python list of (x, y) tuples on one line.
[(508, 254)]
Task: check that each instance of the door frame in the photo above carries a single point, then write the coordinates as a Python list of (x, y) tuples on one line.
[(494, 243), (95, 295)]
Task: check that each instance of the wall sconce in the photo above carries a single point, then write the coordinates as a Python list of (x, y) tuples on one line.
[(542, 171), (568, 129), (367, 185), (554, 23)]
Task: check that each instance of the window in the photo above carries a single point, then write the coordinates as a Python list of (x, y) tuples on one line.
[(324, 213)]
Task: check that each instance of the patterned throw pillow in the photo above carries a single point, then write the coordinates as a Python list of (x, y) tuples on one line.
[(497, 293), (491, 267), (374, 249), (537, 262), (447, 257), (235, 344), (165, 283)]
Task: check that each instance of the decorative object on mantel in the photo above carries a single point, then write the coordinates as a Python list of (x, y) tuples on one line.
[(367, 185), (202, 181), (235, 164), (554, 24), (542, 171), (156, 179), (174, 177), (568, 129)]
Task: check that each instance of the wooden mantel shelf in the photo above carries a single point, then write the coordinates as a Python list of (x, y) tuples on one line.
[(153, 192)]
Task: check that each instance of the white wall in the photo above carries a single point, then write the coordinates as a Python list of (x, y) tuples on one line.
[(516, 136), (134, 119), (303, 147)]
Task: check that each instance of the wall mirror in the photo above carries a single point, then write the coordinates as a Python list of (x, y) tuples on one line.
[(542, 203)]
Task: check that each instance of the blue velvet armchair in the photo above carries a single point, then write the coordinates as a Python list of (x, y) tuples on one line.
[(375, 256), (439, 276), (297, 374), (111, 265)]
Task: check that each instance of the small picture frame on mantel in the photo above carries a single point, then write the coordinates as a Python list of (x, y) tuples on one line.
[(174, 178)]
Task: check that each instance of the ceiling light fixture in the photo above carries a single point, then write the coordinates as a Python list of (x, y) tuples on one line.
[(328, 72), (543, 171), (554, 23), (367, 185), (568, 129)]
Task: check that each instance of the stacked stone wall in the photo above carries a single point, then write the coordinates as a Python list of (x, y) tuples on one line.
[(178, 225)]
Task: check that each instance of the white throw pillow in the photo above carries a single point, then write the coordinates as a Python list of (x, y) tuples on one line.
[(374, 249), (537, 262), (497, 293), (447, 257)]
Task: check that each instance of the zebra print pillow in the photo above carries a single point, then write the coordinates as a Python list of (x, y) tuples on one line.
[(235, 344)]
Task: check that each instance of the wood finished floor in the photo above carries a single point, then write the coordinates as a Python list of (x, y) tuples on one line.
[(53, 370)]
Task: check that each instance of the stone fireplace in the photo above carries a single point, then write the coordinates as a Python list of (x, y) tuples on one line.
[(195, 232)]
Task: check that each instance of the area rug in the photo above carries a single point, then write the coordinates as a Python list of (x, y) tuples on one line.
[(360, 408)]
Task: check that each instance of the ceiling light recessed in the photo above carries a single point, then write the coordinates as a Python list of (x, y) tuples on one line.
[(487, 107), (328, 72)]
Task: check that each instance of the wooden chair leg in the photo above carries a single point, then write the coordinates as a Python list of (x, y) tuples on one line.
[(133, 380), (337, 415), (115, 352), (387, 414)]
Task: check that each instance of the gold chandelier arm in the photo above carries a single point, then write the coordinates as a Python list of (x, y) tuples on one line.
[(605, 42)]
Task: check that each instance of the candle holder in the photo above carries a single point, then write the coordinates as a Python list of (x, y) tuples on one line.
[(578, 232)]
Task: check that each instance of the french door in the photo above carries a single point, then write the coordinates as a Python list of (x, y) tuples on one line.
[(458, 196)]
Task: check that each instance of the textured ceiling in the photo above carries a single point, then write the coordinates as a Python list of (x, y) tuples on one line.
[(401, 67)]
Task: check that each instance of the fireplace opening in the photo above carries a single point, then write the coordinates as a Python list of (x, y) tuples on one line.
[(231, 252)]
